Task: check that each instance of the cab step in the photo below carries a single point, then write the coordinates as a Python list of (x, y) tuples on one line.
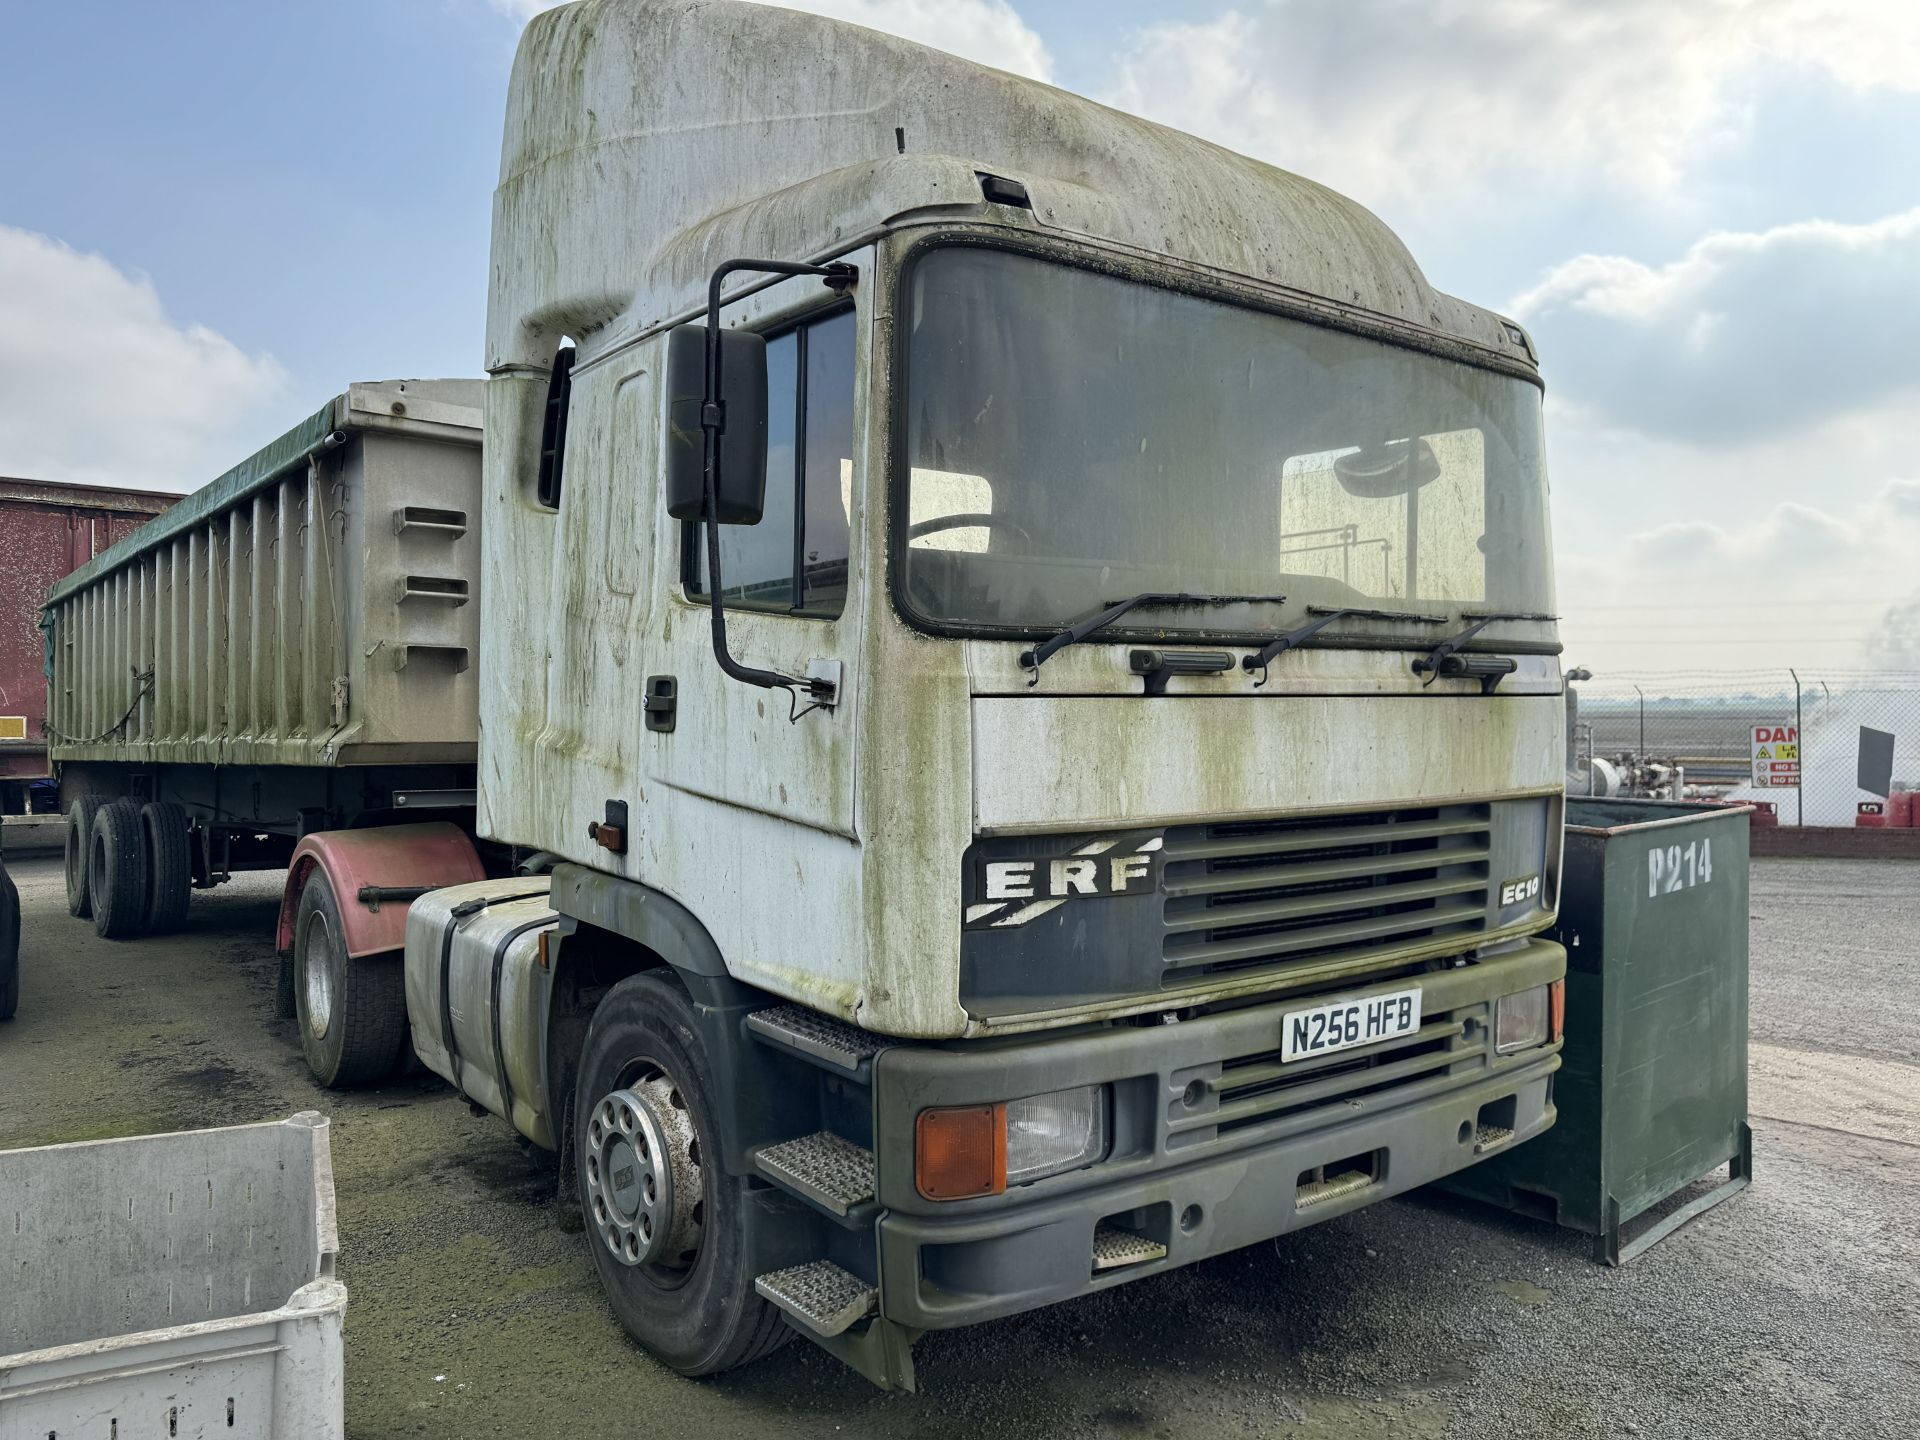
[(820, 1297), (1486, 1137), (816, 1037), (1115, 1249), (1319, 1192), (828, 1169)]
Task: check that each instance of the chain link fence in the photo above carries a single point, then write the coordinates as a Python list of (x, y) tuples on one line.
[(1790, 739)]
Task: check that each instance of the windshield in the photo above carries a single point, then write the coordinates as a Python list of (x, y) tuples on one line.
[(1074, 438)]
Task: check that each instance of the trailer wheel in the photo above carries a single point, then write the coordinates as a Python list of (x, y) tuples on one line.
[(9, 946), (117, 871), (664, 1220), (169, 865), (79, 848), (352, 1012)]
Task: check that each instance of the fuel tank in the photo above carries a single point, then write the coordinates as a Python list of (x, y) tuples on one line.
[(477, 995)]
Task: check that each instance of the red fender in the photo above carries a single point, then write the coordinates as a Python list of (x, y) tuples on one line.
[(389, 856)]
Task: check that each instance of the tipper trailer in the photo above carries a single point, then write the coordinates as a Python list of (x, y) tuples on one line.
[(1110, 813), (288, 651)]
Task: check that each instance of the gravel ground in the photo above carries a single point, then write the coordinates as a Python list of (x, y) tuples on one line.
[(1836, 956), (1789, 1311)]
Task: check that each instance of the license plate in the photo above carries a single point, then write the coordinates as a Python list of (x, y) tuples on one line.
[(1344, 1024)]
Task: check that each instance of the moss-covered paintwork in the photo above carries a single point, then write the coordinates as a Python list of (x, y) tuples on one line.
[(646, 143)]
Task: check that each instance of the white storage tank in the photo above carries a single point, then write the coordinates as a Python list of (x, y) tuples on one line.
[(172, 1285)]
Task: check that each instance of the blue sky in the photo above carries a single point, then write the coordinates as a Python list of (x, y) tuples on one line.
[(213, 215)]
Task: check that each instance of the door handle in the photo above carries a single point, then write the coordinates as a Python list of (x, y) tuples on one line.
[(662, 703)]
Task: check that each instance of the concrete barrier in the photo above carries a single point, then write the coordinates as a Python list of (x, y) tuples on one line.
[(33, 834)]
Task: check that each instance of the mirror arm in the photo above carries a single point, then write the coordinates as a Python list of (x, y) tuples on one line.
[(838, 277)]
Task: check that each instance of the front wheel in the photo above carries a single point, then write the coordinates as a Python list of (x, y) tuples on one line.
[(664, 1220), (352, 1011)]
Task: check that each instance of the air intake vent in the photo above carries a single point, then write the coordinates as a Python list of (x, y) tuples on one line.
[(1278, 892)]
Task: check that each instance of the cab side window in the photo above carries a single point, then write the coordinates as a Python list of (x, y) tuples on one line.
[(795, 560)]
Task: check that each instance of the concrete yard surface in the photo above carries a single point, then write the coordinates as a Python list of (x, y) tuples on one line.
[(1791, 1310)]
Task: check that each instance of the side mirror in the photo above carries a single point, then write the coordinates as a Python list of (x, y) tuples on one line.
[(741, 478), (1379, 472)]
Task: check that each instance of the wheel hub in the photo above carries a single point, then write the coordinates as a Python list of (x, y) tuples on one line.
[(643, 1175), (627, 1189)]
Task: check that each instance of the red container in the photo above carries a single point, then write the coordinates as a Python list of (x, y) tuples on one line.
[(47, 531), (1765, 816), (1870, 815), (1902, 813)]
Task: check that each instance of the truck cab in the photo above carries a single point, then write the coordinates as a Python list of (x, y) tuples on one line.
[(1132, 834)]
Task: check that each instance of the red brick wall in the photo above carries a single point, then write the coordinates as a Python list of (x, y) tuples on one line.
[(1838, 842)]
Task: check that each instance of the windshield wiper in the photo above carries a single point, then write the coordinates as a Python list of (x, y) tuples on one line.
[(1032, 660), (1328, 614), (1489, 670)]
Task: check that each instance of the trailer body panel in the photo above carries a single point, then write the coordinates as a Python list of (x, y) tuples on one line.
[(311, 607)]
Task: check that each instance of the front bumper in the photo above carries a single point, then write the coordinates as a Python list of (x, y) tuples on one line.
[(1212, 1141)]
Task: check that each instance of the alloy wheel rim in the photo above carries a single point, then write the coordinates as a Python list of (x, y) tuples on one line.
[(319, 976), (644, 1185)]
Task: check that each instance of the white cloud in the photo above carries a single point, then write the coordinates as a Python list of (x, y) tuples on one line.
[(1820, 582), (988, 31), (1902, 497), (1408, 97), (1745, 335), (1896, 644), (101, 386)]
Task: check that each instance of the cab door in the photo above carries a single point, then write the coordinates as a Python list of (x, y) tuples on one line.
[(746, 763)]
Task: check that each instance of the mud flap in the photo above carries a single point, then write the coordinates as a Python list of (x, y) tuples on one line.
[(566, 1197), (880, 1350)]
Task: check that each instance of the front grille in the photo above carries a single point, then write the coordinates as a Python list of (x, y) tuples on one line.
[(1252, 894), (1258, 1088)]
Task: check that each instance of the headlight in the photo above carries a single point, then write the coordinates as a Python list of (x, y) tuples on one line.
[(1522, 1019), (1047, 1134), (967, 1150)]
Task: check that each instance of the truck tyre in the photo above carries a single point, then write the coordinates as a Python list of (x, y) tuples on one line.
[(117, 872), (352, 1012), (664, 1220), (79, 848), (169, 865), (9, 945)]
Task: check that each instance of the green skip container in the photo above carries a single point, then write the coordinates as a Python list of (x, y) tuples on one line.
[(1652, 1093)]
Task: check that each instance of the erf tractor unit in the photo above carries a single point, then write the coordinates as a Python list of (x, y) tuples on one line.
[(1018, 712)]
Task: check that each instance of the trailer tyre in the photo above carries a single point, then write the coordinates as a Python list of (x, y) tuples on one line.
[(690, 1300), (78, 850), (169, 865), (9, 946), (352, 1012), (117, 871)]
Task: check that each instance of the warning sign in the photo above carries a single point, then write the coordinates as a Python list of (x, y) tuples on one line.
[(1776, 755)]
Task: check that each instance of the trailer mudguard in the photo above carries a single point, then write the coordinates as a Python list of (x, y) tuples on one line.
[(376, 874)]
